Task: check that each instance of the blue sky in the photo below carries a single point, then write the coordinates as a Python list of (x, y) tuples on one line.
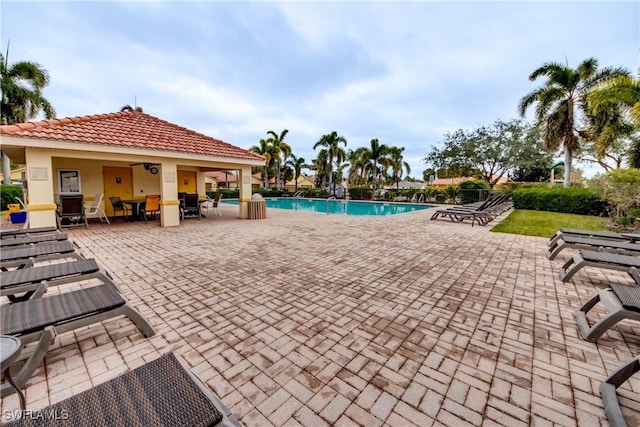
[(403, 72)]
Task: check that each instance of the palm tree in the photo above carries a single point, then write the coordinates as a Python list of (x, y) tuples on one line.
[(610, 105), (321, 166), (331, 142), (22, 100), (279, 147), (265, 149), (377, 153), (297, 163), (398, 165), (358, 160), (560, 101)]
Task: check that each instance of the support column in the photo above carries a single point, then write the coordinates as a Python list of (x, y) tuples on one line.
[(245, 192), (40, 204), (169, 203)]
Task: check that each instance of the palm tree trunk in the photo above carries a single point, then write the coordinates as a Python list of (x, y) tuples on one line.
[(278, 176), (6, 169), (567, 166)]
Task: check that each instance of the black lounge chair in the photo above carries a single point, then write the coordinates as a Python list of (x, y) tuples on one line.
[(580, 242), (609, 395), (41, 320), (628, 263), (35, 239), (33, 282), (609, 235), (22, 232), (621, 301), (191, 205), (482, 213), (71, 212), (159, 393), (23, 256)]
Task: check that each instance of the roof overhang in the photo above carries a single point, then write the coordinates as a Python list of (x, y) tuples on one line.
[(15, 147)]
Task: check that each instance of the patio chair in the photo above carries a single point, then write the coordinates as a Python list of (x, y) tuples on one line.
[(151, 206), (579, 242), (628, 263), (621, 301), (35, 239), (118, 206), (23, 232), (33, 282), (41, 320), (71, 213), (609, 235), (213, 204), (24, 256), (95, 209), (191, 205), (159, 393), (609, 395)]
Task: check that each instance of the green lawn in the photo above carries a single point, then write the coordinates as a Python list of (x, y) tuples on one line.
[(545, 224)]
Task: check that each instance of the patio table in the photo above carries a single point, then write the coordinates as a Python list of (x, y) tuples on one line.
[(135, 208)]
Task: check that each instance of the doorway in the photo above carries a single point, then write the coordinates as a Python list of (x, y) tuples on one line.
[(187, 182)]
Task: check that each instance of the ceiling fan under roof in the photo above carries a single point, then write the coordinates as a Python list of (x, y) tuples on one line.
[(151, 167)]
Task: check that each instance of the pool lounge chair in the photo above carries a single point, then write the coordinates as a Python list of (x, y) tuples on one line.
[(609, 395), (621, 301), (33, 282), (609, 235), (160, 393), (35, 239), (483, 213), (628, 263), (22, 232), (23, 256), (41, 320), (606, 245)]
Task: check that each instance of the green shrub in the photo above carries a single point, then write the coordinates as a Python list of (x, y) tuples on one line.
[(360, 193), (581, 201), (474, 184), (8, 194), (621, 188), (226, 193)]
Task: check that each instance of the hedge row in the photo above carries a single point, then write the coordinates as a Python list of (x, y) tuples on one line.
[(581, 201)]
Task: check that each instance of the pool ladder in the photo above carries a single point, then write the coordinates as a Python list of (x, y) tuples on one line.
[(330, 198), (298, 193), (416, 199)]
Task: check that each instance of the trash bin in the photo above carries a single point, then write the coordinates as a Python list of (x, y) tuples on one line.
[(257, 207), (18, 217)]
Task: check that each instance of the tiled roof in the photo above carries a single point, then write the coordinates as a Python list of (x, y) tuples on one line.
[(131, 129)]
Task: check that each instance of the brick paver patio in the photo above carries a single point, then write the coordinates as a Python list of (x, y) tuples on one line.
[(308, 319)]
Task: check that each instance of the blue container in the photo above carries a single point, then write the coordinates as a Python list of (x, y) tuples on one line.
[(18, 217)]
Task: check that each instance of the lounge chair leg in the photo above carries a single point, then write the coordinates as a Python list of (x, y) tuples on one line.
[(608, 391), (32, 363), (139, 321), (567, 272), (616, 313), (555, 249)]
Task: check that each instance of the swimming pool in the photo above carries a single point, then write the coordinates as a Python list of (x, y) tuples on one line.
[(340, 207)]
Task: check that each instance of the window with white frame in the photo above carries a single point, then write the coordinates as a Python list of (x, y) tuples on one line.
[(69, 181)]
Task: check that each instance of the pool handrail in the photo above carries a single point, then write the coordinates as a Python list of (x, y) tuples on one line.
[(330, 198)]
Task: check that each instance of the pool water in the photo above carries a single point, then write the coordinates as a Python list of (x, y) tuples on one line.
[(340, 207)]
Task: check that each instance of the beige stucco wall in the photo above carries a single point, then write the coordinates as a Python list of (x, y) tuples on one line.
[(45, 157)]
